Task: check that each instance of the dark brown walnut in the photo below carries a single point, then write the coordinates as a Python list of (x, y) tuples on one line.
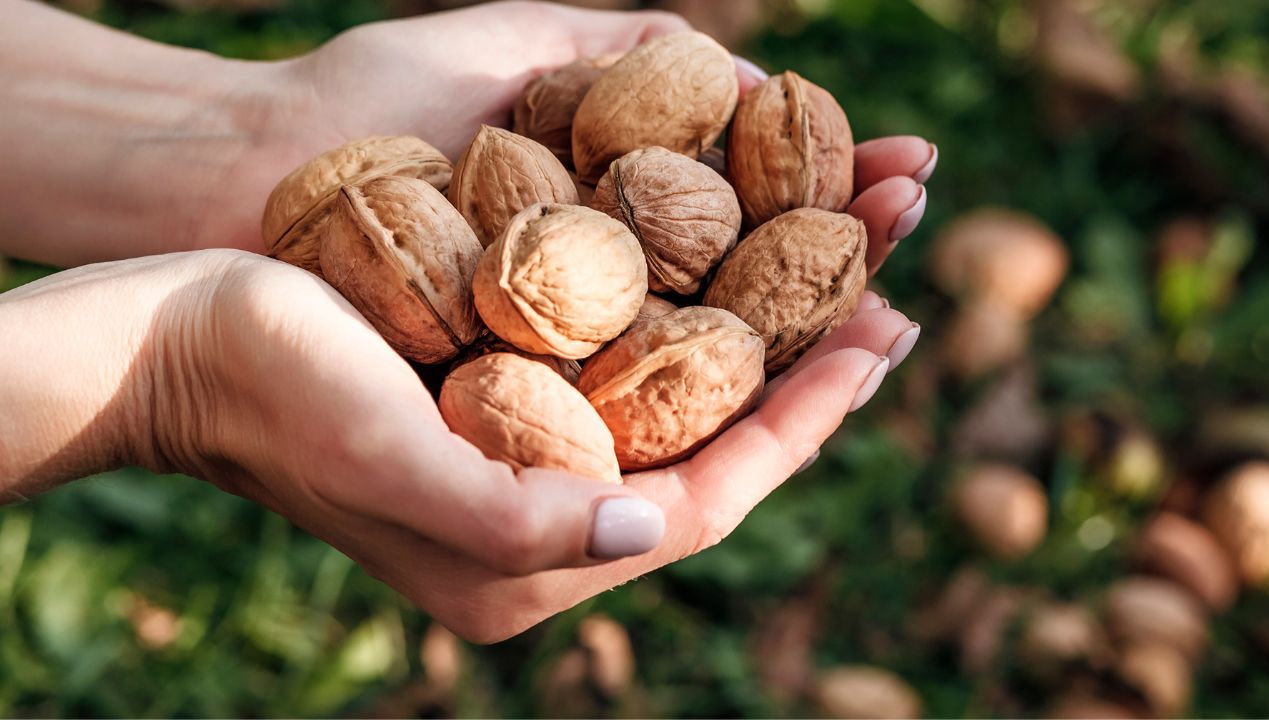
[(794, 280), (489, 344), (789, 147), (562, 280), (672, 383), (404, 257), (502, 173), (677, 91), (523, 413), (545, 110), (685, 215), (298, 209)]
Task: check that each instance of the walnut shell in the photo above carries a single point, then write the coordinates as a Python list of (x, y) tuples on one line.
[(685, 215), (1057, 636), (401, 254), (1181, 549), (489, 344), (1000, 257), (790, 146), (298, 209), (862, 691), (502, 173), (1151, 610), (794, 280), (1160, 674), (672, 383), (545, 110), (1004, 509), (561, 280), (1237, 512), (522, 413), (677, 91)]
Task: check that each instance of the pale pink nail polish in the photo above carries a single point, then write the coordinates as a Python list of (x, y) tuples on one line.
[(907, 222), (871, 383), (749, 68), (625, 526), (928, 169), (903, 346)]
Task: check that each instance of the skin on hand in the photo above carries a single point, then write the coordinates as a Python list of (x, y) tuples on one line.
[(261, 379)]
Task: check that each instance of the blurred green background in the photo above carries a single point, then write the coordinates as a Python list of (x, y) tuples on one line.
[(1137, 130)]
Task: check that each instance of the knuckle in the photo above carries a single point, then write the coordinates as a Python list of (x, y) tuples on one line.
[(518, 534)]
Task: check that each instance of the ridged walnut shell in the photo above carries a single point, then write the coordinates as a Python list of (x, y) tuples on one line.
[(298, 209), (561, 280), (794, 280), (684, 214), (1237, 512), (789, 147), (401, 254), (522, 413), (672, 383), (677, 91), (545, 110), (502, 173), (489, 344), (652, 308)]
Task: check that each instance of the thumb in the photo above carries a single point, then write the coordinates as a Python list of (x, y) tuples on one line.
[(596, 32), (443, 488)]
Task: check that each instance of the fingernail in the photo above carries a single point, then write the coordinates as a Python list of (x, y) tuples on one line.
[(807, 463), (869, 388), (625, 526), (907, 222), (928, 169), (903, 346), (749, 68)]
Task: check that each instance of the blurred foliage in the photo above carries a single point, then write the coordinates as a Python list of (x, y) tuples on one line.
[(137, 595)]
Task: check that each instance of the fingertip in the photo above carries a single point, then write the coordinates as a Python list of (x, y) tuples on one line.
[(890, 211), (624, 526), (749, 74)]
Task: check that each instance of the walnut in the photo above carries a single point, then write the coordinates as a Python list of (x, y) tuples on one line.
[(405, 258), (545, 110), (672, 383), (562, 280), (685, 215), (677, 91), (794, 280), (502, 173), (298, 209), (789, 147), (524, 414)]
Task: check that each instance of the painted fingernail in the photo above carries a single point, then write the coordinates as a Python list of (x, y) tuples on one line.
[(625, 526), (749, 68), (807, 463), (928, 169), (907, 222), (903, 346), (873, 381)]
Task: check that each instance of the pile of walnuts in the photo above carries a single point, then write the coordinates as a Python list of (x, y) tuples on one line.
[(557, 354)]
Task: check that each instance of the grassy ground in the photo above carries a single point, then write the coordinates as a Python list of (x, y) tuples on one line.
[(139, 595)]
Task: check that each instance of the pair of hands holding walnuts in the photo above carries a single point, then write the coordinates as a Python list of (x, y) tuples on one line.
[(259, 377)]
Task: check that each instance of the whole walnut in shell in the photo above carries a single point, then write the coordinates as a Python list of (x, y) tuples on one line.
[(685, 215), (862, 691), (489, 344), (1183, 550), (1004, 509), (523, 413), (502, 173), (561, 280), (298, 209), (653, 307), (405, 258), (1151, 610), (794, 280), (545, 110), (1237, 512), (672, 383), (790, 146), (677, 91)]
